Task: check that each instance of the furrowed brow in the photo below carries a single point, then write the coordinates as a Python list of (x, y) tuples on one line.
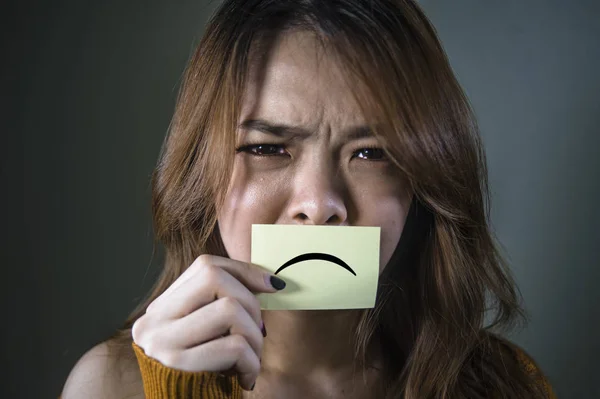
[(279, 130), (284, 131), (360, 132)]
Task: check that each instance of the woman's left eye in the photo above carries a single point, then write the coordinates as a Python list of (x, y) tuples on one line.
[(263, 150), (370, 154)]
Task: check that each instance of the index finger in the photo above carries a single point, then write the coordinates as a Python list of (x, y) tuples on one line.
[(252, 276)]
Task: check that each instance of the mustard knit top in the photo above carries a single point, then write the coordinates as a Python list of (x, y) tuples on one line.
[(161, 382)]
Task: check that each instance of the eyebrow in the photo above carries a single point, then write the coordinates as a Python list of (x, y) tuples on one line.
[(282, 130)]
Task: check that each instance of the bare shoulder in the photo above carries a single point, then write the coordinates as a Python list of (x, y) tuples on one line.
[(101, 373)]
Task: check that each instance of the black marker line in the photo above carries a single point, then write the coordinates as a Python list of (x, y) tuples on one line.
[(318, 256)]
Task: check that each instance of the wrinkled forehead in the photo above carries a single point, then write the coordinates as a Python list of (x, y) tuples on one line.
[(299, 80)]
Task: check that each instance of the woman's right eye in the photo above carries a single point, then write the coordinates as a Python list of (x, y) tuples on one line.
[(263, 149)]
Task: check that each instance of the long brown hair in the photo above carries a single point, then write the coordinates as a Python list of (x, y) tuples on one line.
[(447, 275)]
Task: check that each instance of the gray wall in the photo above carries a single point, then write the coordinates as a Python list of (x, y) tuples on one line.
[(87, 94)]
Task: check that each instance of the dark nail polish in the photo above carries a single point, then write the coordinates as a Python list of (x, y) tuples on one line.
[(263, 329), (277, 283)]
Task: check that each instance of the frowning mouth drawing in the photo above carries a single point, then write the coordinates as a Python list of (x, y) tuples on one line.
[(316, 256)]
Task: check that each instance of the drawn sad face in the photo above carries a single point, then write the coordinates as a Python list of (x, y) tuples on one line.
[(325, 267), (316, 256)]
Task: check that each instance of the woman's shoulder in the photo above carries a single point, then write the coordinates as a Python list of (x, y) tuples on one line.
[(108, 370), (525, 361), (521, 355), (532, 368)]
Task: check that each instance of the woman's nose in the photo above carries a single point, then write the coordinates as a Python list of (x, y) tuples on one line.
[(318, 197)]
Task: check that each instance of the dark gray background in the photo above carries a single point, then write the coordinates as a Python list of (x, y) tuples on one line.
[(88, 89)]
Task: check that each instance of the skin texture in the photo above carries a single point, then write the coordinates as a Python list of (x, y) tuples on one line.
[(320, 176)]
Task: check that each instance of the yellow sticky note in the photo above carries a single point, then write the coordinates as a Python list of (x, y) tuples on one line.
[(324, 267)]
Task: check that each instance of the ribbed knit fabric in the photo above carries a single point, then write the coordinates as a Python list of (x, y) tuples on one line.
[(161, 382), (533, 371)]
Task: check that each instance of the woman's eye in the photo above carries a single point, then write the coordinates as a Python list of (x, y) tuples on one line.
[(263, 149), (370, 154)]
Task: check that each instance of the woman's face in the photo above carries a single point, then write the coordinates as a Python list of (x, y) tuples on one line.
[(325, 169)]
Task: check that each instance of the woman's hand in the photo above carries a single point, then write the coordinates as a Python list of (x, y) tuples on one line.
[(209, 319)]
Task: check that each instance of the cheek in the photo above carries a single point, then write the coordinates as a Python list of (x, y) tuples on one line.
[(250, 199)]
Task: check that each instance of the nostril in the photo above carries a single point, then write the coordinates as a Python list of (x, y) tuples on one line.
[(302, 216), (334, 219)]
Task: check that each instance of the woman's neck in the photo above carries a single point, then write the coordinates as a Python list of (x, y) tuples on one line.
[(309, 343)]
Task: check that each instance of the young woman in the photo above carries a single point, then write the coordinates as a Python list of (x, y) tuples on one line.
[(338, 112)]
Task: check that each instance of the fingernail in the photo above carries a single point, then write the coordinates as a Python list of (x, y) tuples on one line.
[(263, 329), (277, 283), (253, 385)]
